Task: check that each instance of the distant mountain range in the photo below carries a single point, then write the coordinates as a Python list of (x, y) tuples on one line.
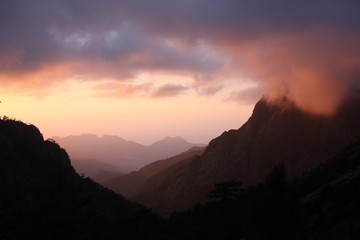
[(125, 155), (274, 134)]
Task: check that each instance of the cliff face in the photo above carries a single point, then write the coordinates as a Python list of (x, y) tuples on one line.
[(273, 134)]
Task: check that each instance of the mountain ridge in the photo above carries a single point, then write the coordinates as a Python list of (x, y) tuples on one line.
[(42, 197), (126, 155), (128, 185), (274, 134)]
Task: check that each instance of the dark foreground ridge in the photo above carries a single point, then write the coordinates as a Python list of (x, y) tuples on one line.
[(42, 197), (322, 204)]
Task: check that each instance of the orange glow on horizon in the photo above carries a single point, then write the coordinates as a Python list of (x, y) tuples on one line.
[(72, 110)]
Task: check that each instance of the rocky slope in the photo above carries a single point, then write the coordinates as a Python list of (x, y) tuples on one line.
[(273, 134)]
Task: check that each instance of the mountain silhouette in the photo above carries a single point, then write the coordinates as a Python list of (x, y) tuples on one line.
[(42, 197), (323, 203), (126, 155), (274, 134), (132, 183), (167, 146), (96, 170)]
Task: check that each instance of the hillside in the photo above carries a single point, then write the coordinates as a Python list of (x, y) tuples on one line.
[(130, 184), (274, 134), (322, 204), (42, 197), (95, 169), (126, 155)]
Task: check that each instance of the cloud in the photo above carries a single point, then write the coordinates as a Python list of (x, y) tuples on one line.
[(240, 19), (247, 96), (120, 90), (209, 91), (127, 90), (315, 68), (41, 34), (305, 50), (168, 90), (208, 84)]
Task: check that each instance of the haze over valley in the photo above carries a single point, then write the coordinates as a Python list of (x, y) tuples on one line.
[(117, 154)]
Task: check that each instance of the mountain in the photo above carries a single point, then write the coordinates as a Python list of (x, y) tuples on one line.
[(324, 203), (104, 176), (42, 197), (274, 134), (96, 170), (169, 145), (126, 155), (130, 184)]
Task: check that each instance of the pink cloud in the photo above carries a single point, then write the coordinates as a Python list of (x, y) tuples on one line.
[(120, 90), (168, 90), (247, 96)]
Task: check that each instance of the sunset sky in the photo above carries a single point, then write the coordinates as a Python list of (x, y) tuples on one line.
[(146, 69)]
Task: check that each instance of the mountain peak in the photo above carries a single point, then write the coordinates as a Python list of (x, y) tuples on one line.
[(127, 155), (170, 140), (276, 133), (114, 138)]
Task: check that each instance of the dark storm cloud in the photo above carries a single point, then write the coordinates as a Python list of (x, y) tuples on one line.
[(56, 30), (242, 19), (46, 32)]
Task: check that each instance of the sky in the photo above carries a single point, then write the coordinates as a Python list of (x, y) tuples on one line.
[(145, 69)]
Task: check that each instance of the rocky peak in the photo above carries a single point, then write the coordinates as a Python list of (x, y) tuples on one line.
[(274, 134)]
